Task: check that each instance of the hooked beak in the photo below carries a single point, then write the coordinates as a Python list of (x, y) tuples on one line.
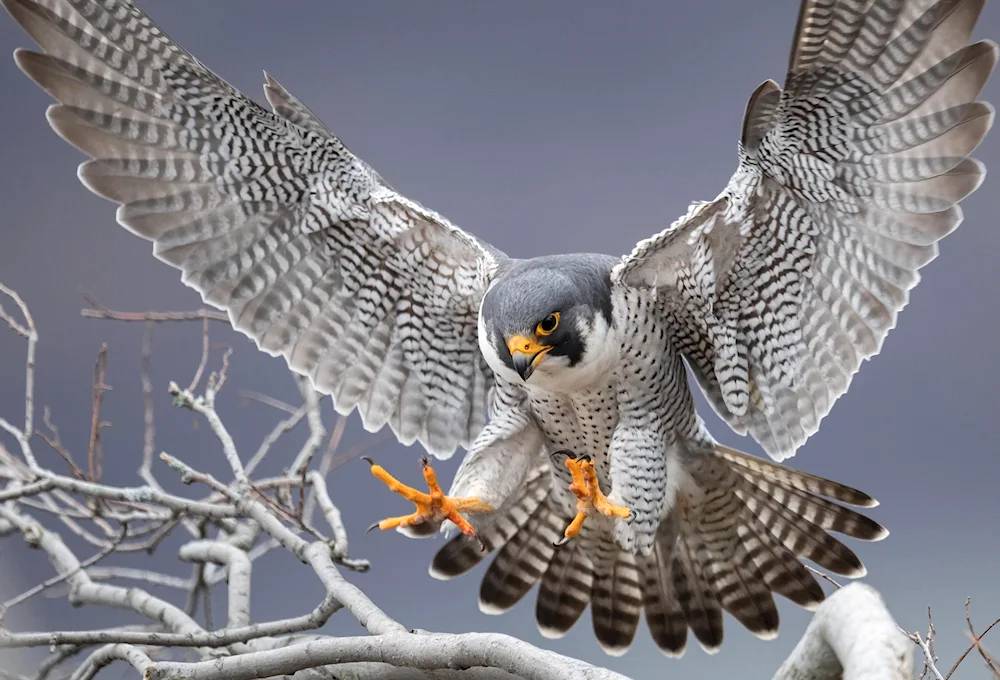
[(526, 354)]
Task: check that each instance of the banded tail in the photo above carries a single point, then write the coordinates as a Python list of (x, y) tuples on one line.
[(737, 533)]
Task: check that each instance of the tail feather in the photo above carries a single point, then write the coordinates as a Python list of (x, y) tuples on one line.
[(521, 562), (735, 533), (459, 555), (779, 568), (819, 511), (664, 616), (727, 566), (802, 537), (795, 479), (566, 588), (697, 598), (617, 598)]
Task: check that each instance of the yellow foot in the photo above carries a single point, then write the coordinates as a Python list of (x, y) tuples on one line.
[(431, 507), (589, 497)]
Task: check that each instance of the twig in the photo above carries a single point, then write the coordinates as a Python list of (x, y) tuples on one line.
[(153, 577), (272, 437), (204, 356), (56, 444), (333, 518), (94, 455), (206, 408), (196, 315), (28, 594), (148, 423), (316, 430), (976, 644), (823, 575), (28, 331), (250, 395)]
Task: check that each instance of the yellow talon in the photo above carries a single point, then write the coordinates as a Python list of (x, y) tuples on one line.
[(431, 507), (589, 497)]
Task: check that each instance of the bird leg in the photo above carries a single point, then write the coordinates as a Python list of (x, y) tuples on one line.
[(589, 497), (431, 507)]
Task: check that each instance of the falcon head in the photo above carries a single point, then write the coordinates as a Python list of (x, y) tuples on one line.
[(548, 320)]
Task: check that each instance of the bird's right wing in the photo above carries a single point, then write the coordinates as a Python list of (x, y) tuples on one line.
[(778, 289), (270, 217)]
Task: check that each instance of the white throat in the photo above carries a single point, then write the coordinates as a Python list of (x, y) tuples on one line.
[(553, 373)]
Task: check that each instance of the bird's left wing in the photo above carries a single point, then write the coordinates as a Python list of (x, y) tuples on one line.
[(271, 218), (778, 289)]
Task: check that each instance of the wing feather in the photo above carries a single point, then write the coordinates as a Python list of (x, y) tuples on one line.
[(270, 217), (779, 288)]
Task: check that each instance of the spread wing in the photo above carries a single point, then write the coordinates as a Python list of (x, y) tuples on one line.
[(270, 217), (780, 287)]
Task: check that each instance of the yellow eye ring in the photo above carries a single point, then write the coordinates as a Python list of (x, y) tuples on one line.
[(548, 325)]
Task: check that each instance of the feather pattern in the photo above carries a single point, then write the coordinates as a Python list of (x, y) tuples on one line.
[(271, 218), (773, 293), (730, 539), (778, 289)]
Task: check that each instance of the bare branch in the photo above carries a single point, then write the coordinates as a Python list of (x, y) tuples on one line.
[(152, 577), (316, 430), (5, 607), (239, 575), (851, 636), (273, 436), (94, 455), (206, 407), (28, 331), (110, 653), (204, 356), (148, 423), (196, 315), (56, 443), (976, 643), (85, 591), (333, 518), (409, 650)]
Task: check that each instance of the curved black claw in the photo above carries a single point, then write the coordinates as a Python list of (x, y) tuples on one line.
[(561, 542), (368, 459), (372, 527), (585, 458), (424, 461), (562, 452)]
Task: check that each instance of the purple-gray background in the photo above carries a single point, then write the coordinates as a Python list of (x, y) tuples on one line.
[(542, 128)]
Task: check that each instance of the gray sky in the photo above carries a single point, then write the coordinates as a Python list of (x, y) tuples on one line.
[(541, 128)]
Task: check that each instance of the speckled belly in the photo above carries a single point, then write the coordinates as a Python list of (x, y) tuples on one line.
[(581, 423)]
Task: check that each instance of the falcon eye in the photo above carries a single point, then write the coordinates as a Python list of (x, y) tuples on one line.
[(548, 324)]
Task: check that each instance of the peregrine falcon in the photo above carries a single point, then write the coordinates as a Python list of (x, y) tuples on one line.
[(593, 474)]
